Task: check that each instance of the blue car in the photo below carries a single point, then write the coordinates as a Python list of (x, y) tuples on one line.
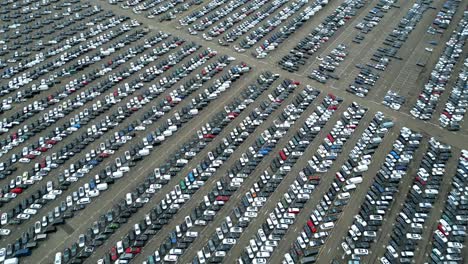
[(173, 237), (191, 177), (93, 162)]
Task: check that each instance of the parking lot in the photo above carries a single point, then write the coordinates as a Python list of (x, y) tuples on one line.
[(153, 131)]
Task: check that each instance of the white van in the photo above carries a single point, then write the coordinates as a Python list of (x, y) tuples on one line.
[(117, 174), (102, 186)]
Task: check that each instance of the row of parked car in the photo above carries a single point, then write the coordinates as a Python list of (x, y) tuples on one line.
[(444, 17), (323, 218), (165, 10), (454, 111), (448, 239), (252, 201), (60, 56), (284, 32), (393, 100), (196, 177), (212, 201), (368, 75), (207, 71), (94, 132), (73, 86), (70, 108), (373, 18), (253, 13), (321, 34), (206, 9), (222, 12), (329, 64), (18, 26), (226, 235), (379, 198), (440, 75), (408, 230)]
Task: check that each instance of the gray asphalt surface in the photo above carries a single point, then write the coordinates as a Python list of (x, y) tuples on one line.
[(402, 76)]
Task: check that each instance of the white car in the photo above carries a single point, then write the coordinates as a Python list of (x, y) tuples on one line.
[(4, 232), (2, 255), (93, 193), (84, 200), (455, 245), (392, 251), (346, 248), (30, 211), (23, 216), (24, 160), (361, 251), (4, 219)]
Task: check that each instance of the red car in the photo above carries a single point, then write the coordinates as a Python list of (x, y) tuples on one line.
[(17, 190), (51, 142), (133, 250), (114, 254), (222, 198), (209, 136), (104, 155), (30, 156), (42, 149), (441, 229), (283, 155), (314, 178)]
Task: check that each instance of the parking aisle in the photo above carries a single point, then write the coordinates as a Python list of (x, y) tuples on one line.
[(430, 62), (459, 66), (52, 59), (423, 250), (326, 180), (74, 137), (360, 52), (354, 204), (73, 187), (384, 232), (412, 50), (206, 231), (105, 102), (38, 118), (266, 64), (195, 198), (145, 167), (236, 251), (286, 46), (449, 236)]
